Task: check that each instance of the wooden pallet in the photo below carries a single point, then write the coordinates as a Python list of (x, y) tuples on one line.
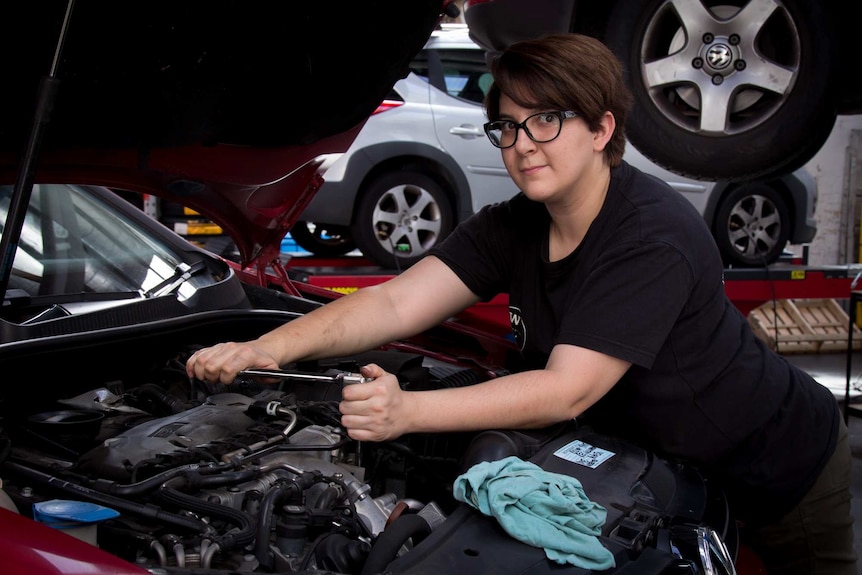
[(803, 326)]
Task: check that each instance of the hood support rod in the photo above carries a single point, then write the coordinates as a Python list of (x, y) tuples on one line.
[(24, 183)]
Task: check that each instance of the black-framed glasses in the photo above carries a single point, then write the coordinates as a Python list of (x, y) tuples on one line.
[(542, 127)]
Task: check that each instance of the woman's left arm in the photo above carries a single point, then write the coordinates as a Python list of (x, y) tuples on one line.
[(573, 380)]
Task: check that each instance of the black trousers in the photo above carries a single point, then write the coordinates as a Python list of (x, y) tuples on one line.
[(816, 537)]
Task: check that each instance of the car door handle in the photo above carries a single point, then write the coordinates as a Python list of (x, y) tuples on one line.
[(466, 131)]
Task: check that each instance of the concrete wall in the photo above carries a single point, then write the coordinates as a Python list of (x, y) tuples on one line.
[(836, 167)]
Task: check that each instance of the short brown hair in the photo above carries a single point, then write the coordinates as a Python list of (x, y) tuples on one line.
[(564, 72)]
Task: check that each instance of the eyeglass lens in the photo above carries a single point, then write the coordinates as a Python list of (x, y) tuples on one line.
[(541, 127)]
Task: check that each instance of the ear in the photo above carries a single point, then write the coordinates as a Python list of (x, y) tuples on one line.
[(607, 126)]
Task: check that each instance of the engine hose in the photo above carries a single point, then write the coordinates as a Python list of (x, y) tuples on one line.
[(291, 447), (208, 554), (230, 478), (388, 543), (273, 497), (173, 404), (111, 501), (264, 524), (153, 483), (160, 552), (327, 498), (281, 492), (175, 497)]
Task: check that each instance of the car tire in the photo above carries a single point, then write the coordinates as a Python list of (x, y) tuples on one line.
[(765, 132), (322, 240), (401, 215), (752, 226)]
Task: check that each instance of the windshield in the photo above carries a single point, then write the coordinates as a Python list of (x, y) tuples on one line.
[(74, 242)]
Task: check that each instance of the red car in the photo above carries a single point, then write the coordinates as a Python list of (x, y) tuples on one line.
[(112, 461)]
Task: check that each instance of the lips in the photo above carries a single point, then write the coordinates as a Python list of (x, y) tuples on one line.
[(528, 170)]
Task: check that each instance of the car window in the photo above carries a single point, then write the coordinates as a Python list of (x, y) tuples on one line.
[(73, 242), (419, 65), (462, 72)]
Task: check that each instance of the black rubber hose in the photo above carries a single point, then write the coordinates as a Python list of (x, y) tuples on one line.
[(175, 497), (228, 478), (173, 404), (283, 491), (79, 491), (273, 497), (385, 549), (154, 482), (292, 447), (327, 498)]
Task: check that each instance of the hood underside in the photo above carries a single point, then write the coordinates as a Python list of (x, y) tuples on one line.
[(223, 106)]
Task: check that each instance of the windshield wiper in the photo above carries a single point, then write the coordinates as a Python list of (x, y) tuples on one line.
[(182, 273)]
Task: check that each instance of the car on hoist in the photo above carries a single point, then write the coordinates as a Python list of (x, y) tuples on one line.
[(422, 164), (724, 89)]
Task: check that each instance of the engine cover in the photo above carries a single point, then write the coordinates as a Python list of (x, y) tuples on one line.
[(221, 416), (644, 496)]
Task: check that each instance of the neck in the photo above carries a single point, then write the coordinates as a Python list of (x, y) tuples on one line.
[(570, 222)]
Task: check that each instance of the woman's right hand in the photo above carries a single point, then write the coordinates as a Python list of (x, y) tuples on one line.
[(223, 361)]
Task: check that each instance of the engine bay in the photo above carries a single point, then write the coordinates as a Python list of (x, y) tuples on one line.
[(259, 476), (226, 463)]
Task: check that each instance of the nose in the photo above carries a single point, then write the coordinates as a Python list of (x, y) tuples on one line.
[(523, 142)]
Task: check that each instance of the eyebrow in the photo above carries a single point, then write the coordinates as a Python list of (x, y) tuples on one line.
[(537, 111)]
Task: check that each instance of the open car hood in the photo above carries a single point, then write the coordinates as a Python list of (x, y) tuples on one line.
[(227, 107)]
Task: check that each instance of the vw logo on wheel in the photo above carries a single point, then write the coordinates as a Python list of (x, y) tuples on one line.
[(719, 56)]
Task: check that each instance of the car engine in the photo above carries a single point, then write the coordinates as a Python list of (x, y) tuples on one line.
[(259, 477)]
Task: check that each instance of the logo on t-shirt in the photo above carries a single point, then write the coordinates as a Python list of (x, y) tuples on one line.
[(519, 330)]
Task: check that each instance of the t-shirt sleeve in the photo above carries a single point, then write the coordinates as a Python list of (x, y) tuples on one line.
[(475, 252), (629, 303)]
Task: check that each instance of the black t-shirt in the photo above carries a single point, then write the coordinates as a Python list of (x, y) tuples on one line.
[(646, 285)]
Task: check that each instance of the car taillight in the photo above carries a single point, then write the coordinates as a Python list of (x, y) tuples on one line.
[(387, 105)]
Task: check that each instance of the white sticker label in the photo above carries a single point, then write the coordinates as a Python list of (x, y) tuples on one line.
[(584, 454)]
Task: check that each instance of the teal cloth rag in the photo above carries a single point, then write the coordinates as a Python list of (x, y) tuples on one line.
[(540, 508)]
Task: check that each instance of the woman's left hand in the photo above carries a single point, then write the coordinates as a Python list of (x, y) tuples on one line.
[(375, 410)]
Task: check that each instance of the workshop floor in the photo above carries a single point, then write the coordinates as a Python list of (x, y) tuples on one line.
[(830, 369)]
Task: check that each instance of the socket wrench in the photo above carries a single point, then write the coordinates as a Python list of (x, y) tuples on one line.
[(342, 378)]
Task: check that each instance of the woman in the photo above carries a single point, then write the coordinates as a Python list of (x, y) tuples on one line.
[(618, 305)]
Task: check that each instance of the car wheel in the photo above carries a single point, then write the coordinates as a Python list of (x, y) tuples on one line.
[(322, 240), (727, 89), (400, 217), (752, 225)]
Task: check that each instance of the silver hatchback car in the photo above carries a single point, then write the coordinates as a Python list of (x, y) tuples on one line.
[(421, 164)]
